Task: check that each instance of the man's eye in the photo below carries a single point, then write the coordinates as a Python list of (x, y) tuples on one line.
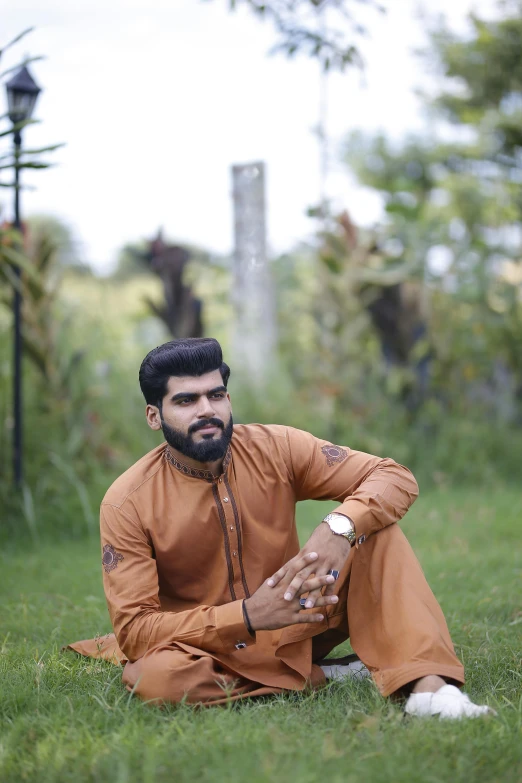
[(218, 395)]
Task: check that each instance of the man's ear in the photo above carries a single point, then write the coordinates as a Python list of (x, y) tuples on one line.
[(153, 417)]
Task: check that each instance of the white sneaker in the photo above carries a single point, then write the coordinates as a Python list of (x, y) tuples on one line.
[(341, 668), (447, 702)]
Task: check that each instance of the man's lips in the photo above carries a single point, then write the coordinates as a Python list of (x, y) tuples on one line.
[(208, 427)]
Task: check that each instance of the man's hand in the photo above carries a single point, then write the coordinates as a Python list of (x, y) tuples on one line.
[(269, 609), (333, 551)]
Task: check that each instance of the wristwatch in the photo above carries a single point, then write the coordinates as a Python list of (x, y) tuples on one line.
[(341, 526)]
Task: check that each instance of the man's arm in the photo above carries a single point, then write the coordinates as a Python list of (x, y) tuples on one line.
[(372, 492), (130, 580), (131, 588)]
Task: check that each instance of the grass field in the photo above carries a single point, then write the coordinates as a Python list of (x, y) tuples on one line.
[(68, 719)]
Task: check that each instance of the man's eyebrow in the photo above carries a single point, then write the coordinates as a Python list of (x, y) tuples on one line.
[(193, 395)]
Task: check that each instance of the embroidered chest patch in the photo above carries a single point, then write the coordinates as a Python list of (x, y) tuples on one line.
[(334, 454), (110, 558)]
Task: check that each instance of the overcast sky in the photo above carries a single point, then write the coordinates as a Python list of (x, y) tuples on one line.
[(156, 99)]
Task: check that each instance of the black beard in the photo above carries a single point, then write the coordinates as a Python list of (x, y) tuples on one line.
[(206, 450)]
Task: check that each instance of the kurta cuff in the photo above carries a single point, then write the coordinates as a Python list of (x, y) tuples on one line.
[(231, 628), (361, 516)]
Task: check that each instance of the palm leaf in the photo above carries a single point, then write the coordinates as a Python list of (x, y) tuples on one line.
[(10, 257), (16, 39)]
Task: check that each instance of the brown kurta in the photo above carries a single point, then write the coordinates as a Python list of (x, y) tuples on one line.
[(182, 548)]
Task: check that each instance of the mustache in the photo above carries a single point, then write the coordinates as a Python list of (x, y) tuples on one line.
[(200, 425)]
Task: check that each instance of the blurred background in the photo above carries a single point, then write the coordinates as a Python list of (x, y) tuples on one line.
[(331, 188)]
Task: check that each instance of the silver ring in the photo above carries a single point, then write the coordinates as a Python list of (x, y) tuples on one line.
[(334, 573), (302, 601)]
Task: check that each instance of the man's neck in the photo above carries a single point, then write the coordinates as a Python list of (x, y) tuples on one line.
[(216, 468)]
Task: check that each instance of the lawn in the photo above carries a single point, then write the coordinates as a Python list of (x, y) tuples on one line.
[(68, 719)]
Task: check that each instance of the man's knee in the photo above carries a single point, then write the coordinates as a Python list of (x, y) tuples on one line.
[(173, 675), (157, 677)]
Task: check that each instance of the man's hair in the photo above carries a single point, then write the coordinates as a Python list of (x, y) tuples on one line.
[(188, 356)]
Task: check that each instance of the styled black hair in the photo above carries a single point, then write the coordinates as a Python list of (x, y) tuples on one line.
[(188, 356)]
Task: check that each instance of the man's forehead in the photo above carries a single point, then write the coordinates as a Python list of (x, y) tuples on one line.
[(194, 383)]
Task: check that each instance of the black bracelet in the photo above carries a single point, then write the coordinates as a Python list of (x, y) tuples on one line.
[(247, 621)]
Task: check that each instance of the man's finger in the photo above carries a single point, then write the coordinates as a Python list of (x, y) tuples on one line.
[(311, 598), (276, 578), (303, 567), (326, 600), (316, 583), (295, 586), (306, 617), (331, 588), (313, 595), (289, 569)]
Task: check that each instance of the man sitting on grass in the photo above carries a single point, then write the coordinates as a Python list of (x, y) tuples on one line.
[(209, 594)]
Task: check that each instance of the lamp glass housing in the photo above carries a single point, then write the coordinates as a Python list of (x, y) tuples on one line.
[(22, 92)]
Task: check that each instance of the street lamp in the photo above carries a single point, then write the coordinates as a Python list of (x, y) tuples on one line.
[(22, 92)]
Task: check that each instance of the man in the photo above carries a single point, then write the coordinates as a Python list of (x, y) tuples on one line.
[(209, 594)]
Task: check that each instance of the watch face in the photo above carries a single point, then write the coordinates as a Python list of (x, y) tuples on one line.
[(340, 526)]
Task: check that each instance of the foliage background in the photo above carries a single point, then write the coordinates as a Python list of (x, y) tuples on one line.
[(451, 409)]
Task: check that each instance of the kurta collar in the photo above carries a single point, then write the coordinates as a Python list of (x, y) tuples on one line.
[(206, 475)]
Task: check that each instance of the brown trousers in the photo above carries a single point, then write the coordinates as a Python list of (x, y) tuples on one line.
[(385, 608)]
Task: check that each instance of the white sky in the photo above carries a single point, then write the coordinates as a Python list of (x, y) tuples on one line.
[(156, 99)]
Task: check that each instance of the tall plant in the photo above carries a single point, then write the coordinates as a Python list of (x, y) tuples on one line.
[(455, 209)]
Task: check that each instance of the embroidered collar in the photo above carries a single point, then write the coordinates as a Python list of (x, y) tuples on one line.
[(207, 475)]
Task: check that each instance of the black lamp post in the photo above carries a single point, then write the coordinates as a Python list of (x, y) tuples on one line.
[(22, 92)]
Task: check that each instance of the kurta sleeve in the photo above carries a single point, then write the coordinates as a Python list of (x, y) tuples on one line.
[(372, 491), (130, 581)]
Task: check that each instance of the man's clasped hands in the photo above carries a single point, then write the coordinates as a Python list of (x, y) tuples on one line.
[(307, 572)]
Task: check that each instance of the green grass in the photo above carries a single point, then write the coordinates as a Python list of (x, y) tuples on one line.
[(68, 719)]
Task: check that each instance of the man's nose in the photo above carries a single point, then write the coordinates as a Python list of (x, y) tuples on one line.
[(205, 409)]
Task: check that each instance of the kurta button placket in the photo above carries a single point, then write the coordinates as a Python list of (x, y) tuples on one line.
[(227, 508), (240, 583), (229, 520)]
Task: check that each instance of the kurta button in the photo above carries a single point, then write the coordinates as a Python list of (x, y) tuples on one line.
[(225, 500), (235, 554), (220, 481), (231, 527)]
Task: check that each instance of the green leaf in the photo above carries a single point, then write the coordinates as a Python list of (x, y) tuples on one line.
[(34, 165), (17, 39), (11, 257), (18, 127), (51, 148), (25, 61)]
